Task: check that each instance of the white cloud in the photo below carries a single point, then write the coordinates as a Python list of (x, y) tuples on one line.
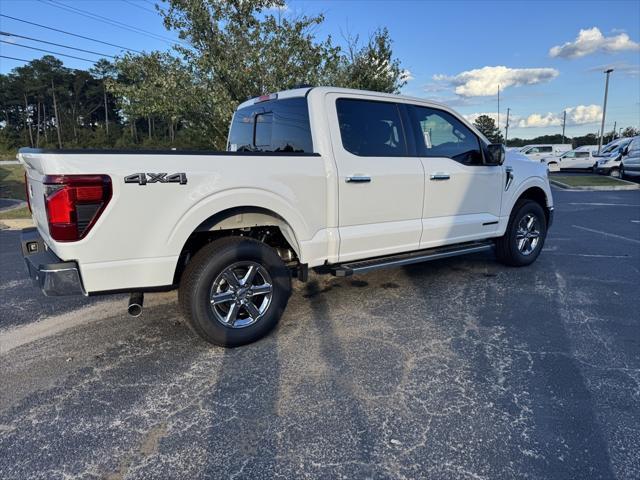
[(484, 81), (591, 40), (627, 69), (579, 115), (406, 75), (513, 119)]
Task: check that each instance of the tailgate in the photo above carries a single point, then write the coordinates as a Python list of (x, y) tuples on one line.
[(34, 167)]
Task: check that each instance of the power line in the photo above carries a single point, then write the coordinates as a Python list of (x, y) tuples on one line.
[(69, 33), (8, 34), (14, 58), (109, 21), (47, 51), (134, 4)]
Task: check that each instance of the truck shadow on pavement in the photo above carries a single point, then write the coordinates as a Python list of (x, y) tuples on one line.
[(444, 369)]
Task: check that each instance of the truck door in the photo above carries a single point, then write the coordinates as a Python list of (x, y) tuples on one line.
[(381, 181), (462, 195)]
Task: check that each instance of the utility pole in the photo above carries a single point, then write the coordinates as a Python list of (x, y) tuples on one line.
[(615, 124), (506, 128), (55, 110), (564, 123), (498, 106), (604, 107)]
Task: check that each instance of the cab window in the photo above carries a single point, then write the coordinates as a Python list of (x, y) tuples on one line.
[(440, 134), (272, 126), (371, 129)]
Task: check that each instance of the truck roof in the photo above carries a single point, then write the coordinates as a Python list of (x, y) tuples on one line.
[(301, 92)]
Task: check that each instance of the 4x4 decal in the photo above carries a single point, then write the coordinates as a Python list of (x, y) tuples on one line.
[(144, 178)]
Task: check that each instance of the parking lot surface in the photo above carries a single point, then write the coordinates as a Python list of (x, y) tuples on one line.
[(460, 368)]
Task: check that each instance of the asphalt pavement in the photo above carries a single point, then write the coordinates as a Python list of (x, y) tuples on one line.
[(460, 368)]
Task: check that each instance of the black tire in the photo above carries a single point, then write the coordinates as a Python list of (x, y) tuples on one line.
[(207, 266), (507, 246), (622, 174)]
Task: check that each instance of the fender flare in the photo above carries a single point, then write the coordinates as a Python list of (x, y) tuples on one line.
[(213, 209)]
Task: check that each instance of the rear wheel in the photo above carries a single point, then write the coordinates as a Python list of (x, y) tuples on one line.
[(526, 232), (234, 291)]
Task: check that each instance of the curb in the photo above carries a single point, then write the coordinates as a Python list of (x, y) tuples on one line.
[(596, 188), (16, 224), (18, 204)]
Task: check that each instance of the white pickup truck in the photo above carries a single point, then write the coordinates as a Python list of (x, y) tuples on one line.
[(339, 181)]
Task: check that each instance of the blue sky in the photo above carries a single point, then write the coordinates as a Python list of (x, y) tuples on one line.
[(456, 52)]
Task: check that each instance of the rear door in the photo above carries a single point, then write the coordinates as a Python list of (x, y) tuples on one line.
[(462, 195), (576, 159), (536, 153), (381, 181)]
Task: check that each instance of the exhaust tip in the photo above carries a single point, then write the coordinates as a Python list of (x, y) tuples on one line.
[(136, 301)]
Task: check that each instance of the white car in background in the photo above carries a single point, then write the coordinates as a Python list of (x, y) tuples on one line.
[(539, 151), (581, 158)]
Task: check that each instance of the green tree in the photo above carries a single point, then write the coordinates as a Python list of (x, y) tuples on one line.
[(370, 67), (488, 128), (630, 132), (154, 86), (240, 49)]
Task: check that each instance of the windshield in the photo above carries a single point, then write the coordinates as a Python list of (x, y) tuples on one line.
[(615, 148)]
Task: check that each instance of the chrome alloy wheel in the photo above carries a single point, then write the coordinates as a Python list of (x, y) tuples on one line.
[(528, 234), (241, 294)]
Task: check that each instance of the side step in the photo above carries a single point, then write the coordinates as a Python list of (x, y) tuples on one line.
[(362, 266)]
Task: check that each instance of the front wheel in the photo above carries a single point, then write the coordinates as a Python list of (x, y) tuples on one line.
[(615, 172), (526, 232), (234, 291)]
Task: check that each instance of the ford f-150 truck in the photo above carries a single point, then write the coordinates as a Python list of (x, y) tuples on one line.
[(335, 180)]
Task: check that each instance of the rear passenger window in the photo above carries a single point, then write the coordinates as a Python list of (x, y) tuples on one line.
[(272, 126), (440, 134), (371, 129)]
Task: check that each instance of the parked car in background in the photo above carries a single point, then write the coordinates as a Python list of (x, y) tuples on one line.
[(536, 152), (630, 163), (581, 158), (608, 162)]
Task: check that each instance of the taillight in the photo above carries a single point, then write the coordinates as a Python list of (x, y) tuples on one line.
[(26, 191), (74, 203)]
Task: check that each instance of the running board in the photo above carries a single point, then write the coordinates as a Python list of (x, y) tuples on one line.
[(346, 269)]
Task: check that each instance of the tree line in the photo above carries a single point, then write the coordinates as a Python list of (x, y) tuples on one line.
[(489, 129), (228, 52)]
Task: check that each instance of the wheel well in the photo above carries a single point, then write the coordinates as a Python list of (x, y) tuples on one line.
[(253, 222), (537, 195)]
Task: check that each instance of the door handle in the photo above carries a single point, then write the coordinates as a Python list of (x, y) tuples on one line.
[(440, 176), (358, 179)]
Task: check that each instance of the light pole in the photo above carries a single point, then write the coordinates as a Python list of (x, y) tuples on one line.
[(604, 107), (506, 128)]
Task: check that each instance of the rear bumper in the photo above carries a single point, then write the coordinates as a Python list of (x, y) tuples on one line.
[(53, 276)]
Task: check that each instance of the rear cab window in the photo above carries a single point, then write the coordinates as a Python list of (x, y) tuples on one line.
[(273, 126)]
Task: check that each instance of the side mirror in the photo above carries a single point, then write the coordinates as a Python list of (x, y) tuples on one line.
[(495, 154), (625, 150)]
